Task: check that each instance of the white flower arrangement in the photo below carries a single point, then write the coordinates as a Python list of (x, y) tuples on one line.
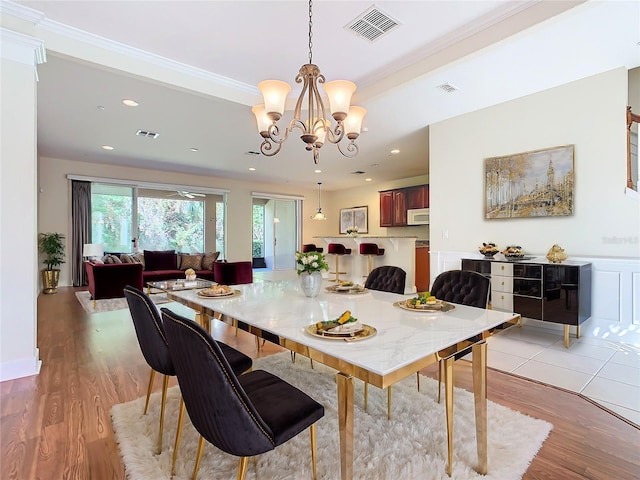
[(310, 262), (352, 230)]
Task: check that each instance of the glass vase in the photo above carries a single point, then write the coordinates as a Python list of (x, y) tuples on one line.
[(311, 283)]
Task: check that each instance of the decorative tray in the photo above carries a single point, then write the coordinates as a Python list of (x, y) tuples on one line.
[(232, 293), (353, 290), (515, 258), (439, 306), (366, 332)]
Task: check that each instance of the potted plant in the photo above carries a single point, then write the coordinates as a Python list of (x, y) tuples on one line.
[(52, 247)]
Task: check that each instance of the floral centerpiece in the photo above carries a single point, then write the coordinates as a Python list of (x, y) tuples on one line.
[(353, 231), (309, 266), (190, 274)]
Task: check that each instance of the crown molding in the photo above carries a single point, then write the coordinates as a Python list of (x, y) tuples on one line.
[(22, 48), (21, 12)]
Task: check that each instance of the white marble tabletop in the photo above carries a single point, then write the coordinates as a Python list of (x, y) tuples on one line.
[(403, 337)]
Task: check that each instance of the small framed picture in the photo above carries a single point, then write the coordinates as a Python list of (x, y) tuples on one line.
[(354, 217)]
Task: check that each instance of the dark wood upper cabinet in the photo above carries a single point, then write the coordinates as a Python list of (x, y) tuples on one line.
[(418, 197), (386, 209), (395, 203)]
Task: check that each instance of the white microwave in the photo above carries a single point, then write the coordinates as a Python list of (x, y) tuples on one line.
[(418, 216)]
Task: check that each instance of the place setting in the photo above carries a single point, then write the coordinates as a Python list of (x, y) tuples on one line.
[(425, 302), (346, 327), (346, 288), (218, 291)]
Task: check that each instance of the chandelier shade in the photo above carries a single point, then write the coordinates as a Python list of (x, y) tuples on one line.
[(316, 128)]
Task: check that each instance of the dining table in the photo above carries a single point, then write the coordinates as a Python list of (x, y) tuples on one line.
[(396, 341)]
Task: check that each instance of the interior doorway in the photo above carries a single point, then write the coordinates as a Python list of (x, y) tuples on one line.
[(275, 232)]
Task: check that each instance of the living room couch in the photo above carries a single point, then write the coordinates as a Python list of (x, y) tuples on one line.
[(108, 276)]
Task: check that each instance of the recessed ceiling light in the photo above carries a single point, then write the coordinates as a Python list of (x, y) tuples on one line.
[(107, 147), (252, 169), (317, 171), (395, 151), (193, 149), (130, 103), (367, 179), (100, 107)]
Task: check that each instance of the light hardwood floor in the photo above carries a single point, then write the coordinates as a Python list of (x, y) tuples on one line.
[(56, 425)]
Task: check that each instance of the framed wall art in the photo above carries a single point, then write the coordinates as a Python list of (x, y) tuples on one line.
[(355, 216), (530, 184)]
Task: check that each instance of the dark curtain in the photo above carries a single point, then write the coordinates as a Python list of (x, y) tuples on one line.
[(80, 229)]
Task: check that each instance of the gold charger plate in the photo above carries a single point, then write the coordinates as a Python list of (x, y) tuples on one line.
[(440, 306), (234, 293), (366, 332), (346, 291)]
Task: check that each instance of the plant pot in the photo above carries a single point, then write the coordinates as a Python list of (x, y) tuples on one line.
[(50, 279), (311, 283)]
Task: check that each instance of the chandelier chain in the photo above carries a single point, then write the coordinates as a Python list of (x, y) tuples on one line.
[(310, 34)]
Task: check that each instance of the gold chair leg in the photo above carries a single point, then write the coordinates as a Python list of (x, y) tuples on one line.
[(448, 399), (389, 402), (151, 377), (165, 386), (312, 430), (242, 467), (178, 435), (418, 380), (196, 467), (366, 396)]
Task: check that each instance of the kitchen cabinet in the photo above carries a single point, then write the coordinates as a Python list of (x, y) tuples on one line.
[(395, 203), (418, 197), (422, 268), (551, 292)]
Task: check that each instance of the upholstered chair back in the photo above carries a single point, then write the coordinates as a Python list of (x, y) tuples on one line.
[(387, 279), (463, 287), (215, 400), (149, 330), (233, 273)]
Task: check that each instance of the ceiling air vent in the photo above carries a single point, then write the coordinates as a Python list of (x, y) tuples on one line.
[(143, 133), (447, 87), (372, 24), (358, 172)]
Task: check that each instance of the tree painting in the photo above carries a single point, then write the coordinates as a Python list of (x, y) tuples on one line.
[(531, 184)]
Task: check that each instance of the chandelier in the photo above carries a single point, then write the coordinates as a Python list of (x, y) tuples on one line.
[(316, 128), (319, 215)]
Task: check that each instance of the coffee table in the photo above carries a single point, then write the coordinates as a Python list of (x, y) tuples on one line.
[(178, 284)]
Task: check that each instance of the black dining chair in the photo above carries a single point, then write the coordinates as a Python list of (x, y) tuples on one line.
[(463, 287), (243, 416), (153, 344), (386, 278)]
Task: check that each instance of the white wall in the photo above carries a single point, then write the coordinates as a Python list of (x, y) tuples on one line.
[(605, 228), (18, 235)]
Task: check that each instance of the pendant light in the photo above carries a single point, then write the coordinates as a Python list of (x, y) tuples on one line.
[(319, 215)]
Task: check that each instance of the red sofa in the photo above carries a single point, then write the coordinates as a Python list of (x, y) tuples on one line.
[(107, 280)]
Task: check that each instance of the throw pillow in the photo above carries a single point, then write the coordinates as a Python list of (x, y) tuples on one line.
[(160, 260), (126, 258), (110, 259), (191, 261), (139, 258), (208, 259)]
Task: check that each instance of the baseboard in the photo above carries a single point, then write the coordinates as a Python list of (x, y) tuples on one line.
[(20, 368)]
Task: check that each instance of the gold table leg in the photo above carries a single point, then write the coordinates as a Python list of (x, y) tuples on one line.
[(203, 320), (479, 356), (448, 400), (345, 422)]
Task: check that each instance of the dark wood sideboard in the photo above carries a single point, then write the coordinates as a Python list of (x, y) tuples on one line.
[(550, 292)]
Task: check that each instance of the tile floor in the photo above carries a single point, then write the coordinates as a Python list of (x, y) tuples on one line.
[(607, 372)]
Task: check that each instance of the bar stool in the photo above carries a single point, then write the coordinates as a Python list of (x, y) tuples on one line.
[(338, 250), (311, 247), (370, 250)]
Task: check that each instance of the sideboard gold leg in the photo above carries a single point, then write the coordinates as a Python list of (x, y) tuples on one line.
[(448, 400), (345, 423), (577, 331), (566, 336), (479, 365)]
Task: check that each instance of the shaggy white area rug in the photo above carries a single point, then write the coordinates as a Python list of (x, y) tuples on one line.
[(412, 445), (109, 304)]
